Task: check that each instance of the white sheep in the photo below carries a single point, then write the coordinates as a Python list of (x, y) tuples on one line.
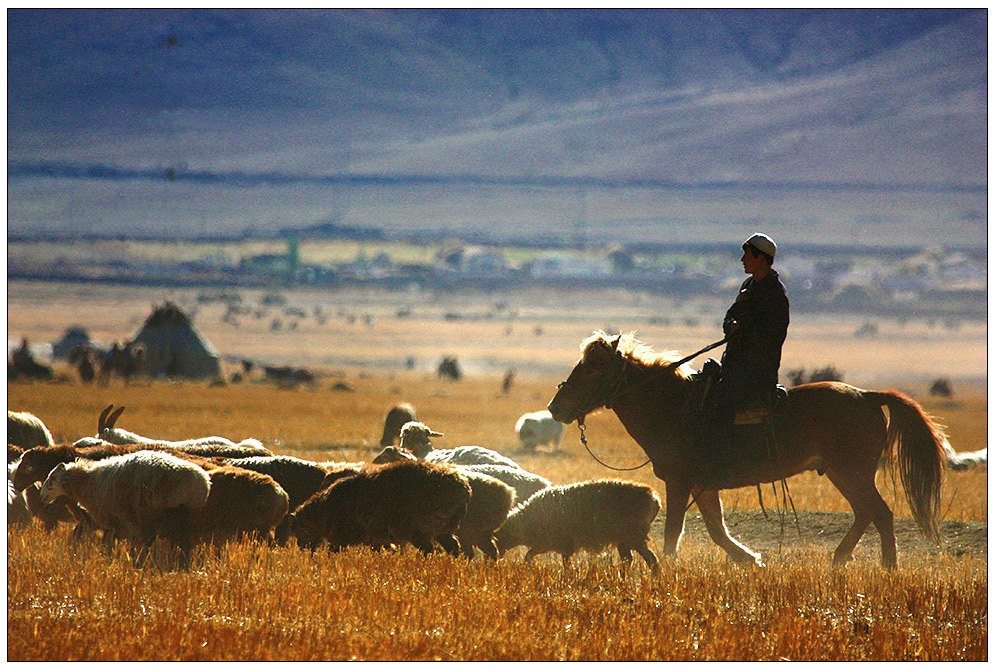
[(201, 446), (140, 495), (965, 460), (17, 503), (538, 428), (588, 515), (524, 482), (26, 430), (415, 438)]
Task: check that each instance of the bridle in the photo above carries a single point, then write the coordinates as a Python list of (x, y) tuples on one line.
[(618, 386)]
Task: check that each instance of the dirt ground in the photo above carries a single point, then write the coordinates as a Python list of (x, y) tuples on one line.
[(778, 531)]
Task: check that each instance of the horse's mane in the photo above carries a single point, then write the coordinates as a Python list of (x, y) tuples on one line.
[(638, 352)]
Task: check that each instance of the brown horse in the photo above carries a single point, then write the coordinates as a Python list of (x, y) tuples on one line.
[(832, 427)]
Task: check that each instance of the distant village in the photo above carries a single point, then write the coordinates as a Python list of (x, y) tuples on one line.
[(914, 283)]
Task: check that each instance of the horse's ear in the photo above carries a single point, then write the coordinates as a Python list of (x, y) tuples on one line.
[(114, 416)]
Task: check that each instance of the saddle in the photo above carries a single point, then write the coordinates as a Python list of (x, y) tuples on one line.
[(728, 445)]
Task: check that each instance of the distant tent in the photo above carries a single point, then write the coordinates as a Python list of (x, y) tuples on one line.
[(74, 337), (174, 348)]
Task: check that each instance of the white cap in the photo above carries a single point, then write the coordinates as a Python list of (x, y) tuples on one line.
[(762, 243)]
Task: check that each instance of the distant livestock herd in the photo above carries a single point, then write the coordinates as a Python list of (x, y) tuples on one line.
[(212, 490)]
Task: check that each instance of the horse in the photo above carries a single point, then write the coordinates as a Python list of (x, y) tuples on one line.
[(832, 427), (123, 359)]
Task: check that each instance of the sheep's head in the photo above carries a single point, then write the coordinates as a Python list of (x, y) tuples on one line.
[(32, 467), (508, 536), (415, 438), (305, 527), (392, 454), (55, 484)]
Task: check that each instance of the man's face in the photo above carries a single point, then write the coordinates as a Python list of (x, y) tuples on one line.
[(752, 261)]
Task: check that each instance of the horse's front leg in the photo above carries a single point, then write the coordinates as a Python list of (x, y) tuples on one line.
[(712, 514), (676, 505)]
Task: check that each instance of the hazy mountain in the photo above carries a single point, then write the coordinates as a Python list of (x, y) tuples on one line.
[(170, 120)]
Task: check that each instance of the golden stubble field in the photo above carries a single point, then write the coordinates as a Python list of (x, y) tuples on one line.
[(69, 602)]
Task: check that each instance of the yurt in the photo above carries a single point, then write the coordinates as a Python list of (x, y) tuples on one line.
[(174, 348)]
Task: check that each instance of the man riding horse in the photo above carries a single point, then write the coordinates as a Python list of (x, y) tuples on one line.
[(744, 385)]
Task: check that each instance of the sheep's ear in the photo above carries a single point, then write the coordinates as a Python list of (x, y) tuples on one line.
[(615, 342), (433, 433), (114, 416)]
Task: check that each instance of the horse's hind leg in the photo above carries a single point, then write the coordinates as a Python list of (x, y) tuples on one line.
[(712, 514), (845, 550), (869, 507)]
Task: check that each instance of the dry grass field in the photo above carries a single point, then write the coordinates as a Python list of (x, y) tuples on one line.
[(71, 602)]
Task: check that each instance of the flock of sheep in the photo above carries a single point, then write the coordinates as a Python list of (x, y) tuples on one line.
[(212, 490)]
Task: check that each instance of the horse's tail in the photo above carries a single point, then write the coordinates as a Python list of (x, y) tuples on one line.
[(919, 445)]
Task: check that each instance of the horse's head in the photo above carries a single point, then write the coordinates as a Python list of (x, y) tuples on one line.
[(593, 382)]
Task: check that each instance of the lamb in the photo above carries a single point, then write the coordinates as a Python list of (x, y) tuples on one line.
[(142, 495), (241, 502), (587, 515), (396, 417), (300, 479), (407, 501), (415, 438), (487, 509), (26, 430), (203, 446), (524, 483), (538, 428)]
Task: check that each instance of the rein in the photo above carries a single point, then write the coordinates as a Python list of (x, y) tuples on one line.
[(584, 441)]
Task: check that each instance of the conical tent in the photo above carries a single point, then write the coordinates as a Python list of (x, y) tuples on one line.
[(174, 348)]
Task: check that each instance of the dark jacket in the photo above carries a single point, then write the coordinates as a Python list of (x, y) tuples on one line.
[(754, 351)]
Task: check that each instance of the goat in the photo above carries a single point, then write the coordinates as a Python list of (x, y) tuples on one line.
[(204, 446)]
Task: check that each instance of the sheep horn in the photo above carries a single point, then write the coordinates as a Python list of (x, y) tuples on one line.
[(114, 416), (102, 422)]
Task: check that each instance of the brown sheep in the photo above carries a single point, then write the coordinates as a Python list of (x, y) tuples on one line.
[(490, 502), (396, 417), (241, 502), (408, 501), (300, 478)]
